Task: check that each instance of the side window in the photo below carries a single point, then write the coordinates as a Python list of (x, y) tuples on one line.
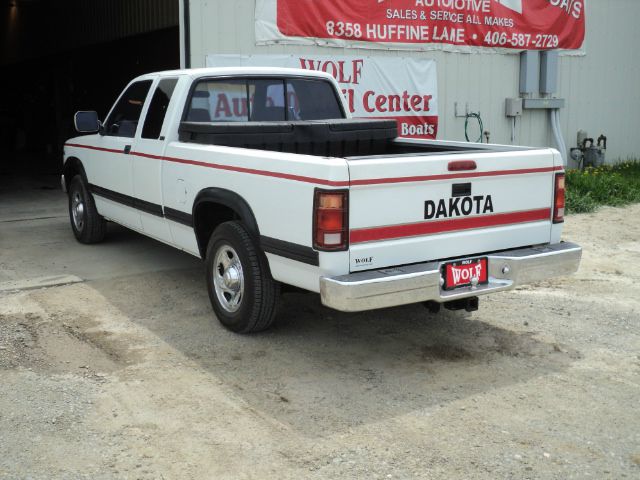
[(219, 101), (158, 108), (312, 100), (124, 118), (266, 100)]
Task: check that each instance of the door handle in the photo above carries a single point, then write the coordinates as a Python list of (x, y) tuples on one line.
[(127, 148)]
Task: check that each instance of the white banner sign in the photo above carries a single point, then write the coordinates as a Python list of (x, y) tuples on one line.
[(403, 89)]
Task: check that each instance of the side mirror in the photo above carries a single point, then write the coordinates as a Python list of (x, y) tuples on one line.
[(87, 122)]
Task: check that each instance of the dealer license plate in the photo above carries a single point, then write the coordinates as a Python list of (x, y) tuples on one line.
[(462, 273)]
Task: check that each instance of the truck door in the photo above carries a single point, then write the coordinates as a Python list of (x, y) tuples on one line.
[(147, 160), (110, 172)]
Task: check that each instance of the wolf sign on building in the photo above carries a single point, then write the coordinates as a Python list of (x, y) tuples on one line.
[(454, 25), (402, 89)]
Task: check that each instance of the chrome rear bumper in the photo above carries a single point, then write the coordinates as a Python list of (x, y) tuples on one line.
[(421, 282)]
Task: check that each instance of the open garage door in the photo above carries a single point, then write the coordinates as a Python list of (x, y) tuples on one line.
[(62, 56)]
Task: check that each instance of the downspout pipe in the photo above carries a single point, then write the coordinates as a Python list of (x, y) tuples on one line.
[(554, 117), (185, 34), (549, 68)]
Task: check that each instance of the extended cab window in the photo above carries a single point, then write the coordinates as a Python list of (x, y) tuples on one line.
[(158, 108), (124, 118), (312, 100), (219, 101), (266, 98), (263, 100)]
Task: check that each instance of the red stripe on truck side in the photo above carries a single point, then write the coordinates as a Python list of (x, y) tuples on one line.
[(322, 181), (441, 226), (451, 176), (89, 147), (251, 171)]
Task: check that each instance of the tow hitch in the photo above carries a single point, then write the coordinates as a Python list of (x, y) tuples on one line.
[(469, 304)]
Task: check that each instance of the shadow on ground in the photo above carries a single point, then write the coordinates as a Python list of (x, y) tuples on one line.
[(321, 371)]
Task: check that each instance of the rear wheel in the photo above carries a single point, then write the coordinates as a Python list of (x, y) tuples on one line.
[(87, 224), (243, 294)]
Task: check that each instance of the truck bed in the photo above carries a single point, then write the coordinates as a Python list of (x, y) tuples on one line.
[(345, 138)]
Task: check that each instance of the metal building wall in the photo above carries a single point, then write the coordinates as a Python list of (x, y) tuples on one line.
[(601, 88), (114, 19)]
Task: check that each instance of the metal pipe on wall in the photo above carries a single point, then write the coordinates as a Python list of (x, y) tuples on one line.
[(539, 74), (554, 117)]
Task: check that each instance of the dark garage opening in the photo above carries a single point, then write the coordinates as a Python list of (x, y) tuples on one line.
[(62, 56)]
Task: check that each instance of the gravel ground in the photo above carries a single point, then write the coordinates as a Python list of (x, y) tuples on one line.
[(126, 374)]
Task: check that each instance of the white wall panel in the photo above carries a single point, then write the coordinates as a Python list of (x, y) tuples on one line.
[(601, 87)]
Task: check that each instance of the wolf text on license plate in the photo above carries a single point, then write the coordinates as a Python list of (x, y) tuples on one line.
[(466, 272)]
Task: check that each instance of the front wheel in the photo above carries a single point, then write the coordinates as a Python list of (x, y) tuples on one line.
[(243, 294), (87, 224)]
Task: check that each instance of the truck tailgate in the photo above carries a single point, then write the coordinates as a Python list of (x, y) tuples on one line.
[(416, 208)]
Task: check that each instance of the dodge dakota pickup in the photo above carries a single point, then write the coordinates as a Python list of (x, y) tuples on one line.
[(262, 173)]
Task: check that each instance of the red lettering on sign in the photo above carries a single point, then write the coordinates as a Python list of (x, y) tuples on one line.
[(405, 103), (337, 69), (223, 109)]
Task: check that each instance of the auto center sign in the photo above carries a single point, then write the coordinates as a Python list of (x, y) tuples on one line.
[(397, 88), (454, 25)]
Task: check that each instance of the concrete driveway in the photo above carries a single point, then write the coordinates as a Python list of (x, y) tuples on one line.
[(112, 365)]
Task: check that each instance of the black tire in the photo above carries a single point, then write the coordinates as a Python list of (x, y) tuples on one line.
[(87, 224), (235, 263)]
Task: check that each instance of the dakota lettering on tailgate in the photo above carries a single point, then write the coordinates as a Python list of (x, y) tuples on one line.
[(458, 207)]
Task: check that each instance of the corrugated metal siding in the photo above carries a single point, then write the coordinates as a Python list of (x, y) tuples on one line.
[(107, 20), (601, 88)]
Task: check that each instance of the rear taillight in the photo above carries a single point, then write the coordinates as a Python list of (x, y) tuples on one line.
[(559, 199), (330, 220)]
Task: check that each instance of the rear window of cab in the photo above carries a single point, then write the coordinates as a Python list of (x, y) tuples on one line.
[(262, 100)]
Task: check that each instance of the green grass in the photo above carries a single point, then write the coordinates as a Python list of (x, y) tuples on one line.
[(613, 185)]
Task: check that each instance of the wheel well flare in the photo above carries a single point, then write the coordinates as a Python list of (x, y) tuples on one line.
[(214, 206)]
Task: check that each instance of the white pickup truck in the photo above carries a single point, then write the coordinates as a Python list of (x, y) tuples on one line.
[(262, 173)]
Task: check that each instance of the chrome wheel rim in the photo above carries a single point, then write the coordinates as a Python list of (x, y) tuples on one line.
[(228, 278), (77, 211)]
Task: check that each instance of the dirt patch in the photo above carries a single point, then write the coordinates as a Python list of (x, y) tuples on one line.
[(114, 348), (44, 343)]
